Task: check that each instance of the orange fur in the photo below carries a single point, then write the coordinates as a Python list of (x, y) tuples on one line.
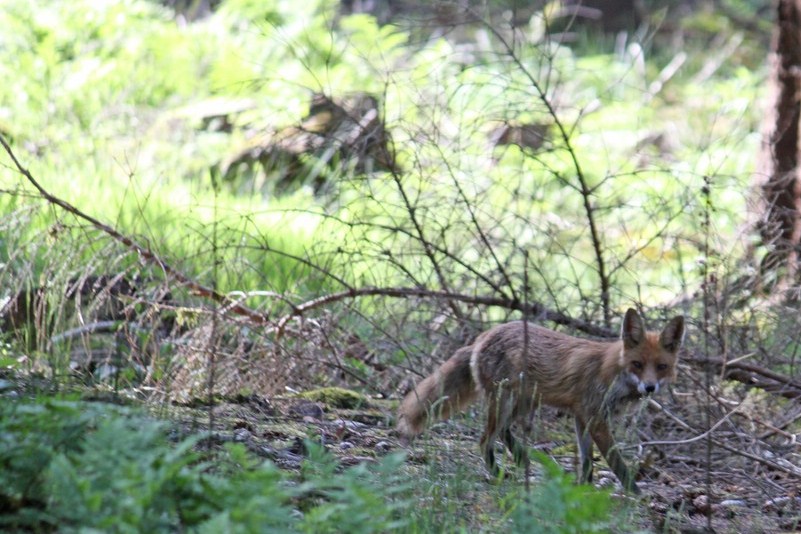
[(518, 366)]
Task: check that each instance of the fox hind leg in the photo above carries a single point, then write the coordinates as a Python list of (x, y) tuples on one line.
[(488, 438), (500, 415)]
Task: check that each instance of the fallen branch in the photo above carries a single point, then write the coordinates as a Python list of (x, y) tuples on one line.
[(532, 310), (751, 375), (785, 467), (145, 253)]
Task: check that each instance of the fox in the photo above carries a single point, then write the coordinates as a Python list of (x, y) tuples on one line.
[(518, 366)]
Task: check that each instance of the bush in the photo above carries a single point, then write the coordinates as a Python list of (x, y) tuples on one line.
[(71, 466), (558, 505), (75, 466)]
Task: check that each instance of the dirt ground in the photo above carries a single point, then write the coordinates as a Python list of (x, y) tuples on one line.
[(688, 483)]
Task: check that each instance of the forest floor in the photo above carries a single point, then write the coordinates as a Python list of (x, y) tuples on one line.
[(675, 489)]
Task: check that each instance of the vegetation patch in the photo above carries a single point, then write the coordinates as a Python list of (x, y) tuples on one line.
[(207, 205), (336, 397)]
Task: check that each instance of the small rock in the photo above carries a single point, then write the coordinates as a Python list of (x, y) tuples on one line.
[(242, 434), (659, 507), (383, 447), (307, 409), (701, 504), (345, 445), (606, 482), (350, 425), (288, 459), (779, 503), (105, 372)]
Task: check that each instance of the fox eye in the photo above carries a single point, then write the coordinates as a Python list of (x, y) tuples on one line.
[(661, 367), (636, 364)]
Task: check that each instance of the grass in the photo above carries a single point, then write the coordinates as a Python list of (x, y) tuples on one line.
[(108, 105), (109, 122)]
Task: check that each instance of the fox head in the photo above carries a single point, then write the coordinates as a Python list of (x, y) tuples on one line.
[(649, 358)]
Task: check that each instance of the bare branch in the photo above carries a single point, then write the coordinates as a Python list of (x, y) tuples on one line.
[(583, 185), (144, 253), (751, 375), (534, 310)]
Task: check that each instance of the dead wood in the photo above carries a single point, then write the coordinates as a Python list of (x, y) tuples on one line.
[(751, 375)]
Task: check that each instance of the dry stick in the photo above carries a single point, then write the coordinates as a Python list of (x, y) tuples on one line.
[(750, 456), (746, 372), (584, 189), (779, 427), (707, 375), (435, 247), (534, 309), (427, 249), (481, 233), (694, 438), (211, 345), (773, 429), (145, 253)]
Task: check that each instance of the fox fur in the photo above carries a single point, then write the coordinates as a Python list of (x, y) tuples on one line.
[(516, 367)]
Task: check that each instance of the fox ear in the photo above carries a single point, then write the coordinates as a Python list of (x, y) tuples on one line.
[(673, 334), (633, 331)]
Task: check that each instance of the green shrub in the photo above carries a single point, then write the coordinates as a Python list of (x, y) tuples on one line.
[(73, 466), (556, 505)]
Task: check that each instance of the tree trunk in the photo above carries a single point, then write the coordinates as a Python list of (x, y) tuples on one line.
[(778, 177)]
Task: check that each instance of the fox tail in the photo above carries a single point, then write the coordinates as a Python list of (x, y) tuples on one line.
[(449, 390)]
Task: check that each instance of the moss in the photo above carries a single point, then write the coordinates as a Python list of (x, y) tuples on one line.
[(336, 397)]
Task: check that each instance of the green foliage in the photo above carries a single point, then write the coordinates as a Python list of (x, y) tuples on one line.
[(111, 115), (115, 106), (77, 467), (336, 397), (557, 505), (362, 499)]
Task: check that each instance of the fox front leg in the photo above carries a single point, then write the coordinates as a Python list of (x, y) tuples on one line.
[(584, 441), (602, 437)]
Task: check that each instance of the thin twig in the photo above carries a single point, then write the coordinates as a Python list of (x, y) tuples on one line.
[(583, 185), (795, 471)]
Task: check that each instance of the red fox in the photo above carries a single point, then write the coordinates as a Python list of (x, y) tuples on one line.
[(517, 366)]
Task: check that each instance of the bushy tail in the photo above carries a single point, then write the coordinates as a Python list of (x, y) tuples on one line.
[(449, 390)]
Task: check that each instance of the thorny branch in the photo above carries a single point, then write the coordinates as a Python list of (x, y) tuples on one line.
[(584, 189), (230, 305)]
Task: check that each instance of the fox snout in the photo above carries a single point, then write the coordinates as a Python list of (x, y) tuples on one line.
[(648, 388), (643, 386)]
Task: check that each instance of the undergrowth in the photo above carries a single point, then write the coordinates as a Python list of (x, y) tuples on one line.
[(76, 466)]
